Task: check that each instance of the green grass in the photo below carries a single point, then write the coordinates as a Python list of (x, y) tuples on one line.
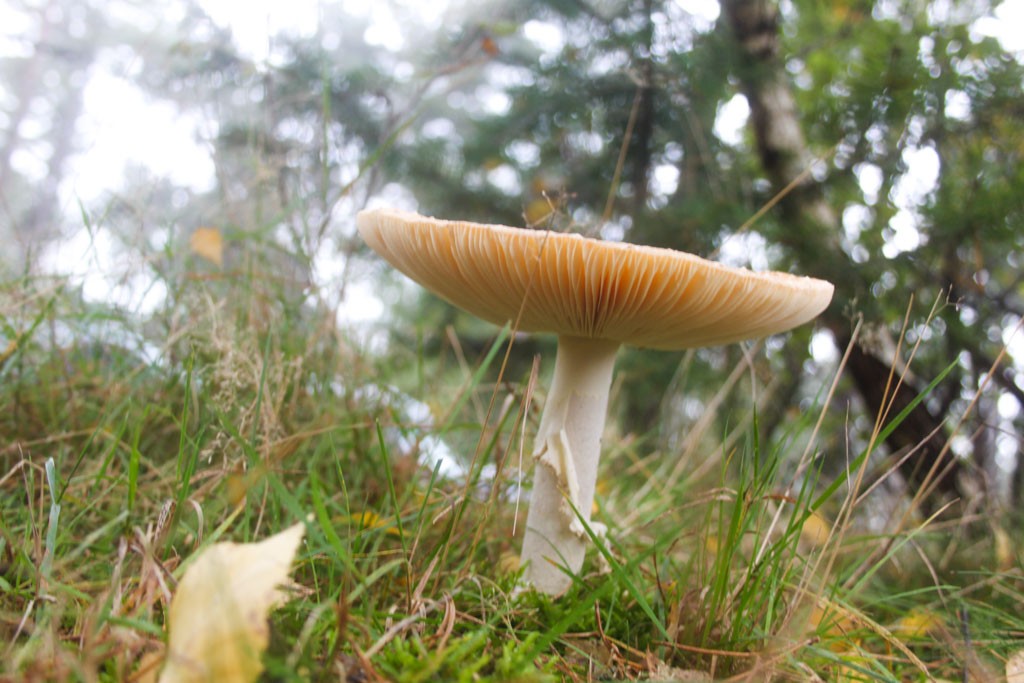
[(252, 415)]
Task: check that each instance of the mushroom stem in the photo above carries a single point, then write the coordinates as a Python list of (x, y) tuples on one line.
[(567, 451)]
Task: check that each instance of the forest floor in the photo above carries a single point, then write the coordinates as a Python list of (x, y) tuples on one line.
[(129, 446)]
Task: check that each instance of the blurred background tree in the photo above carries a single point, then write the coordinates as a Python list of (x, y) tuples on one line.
[(871, 143), (868, 122)]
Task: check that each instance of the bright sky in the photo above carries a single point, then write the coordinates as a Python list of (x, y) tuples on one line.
[(124, 126), (1006, 24)]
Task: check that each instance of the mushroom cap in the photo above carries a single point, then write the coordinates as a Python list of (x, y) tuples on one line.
[(573, 285)]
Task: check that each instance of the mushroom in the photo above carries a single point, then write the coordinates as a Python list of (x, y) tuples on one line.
[(596, 296)]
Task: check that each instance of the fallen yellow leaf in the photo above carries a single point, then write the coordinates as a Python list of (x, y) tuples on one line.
[(237, 486), (12, 346), (508, 562), (1015, 667), (218, 615), (711, 544), (538, 211), (917, 624), (1005, 553), (833, 622), (851, 666), (207, 243), (815, 531), (371, 520)]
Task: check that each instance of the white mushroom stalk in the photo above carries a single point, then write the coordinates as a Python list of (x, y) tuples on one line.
[(567, 451), (595, 296)]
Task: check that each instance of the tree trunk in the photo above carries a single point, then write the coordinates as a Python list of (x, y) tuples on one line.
[(814, 240), (643, 129)]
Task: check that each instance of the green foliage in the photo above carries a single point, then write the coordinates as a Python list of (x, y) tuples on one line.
[(463, 659)]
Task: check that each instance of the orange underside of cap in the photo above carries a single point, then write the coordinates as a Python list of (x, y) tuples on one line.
[(572, 285)]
